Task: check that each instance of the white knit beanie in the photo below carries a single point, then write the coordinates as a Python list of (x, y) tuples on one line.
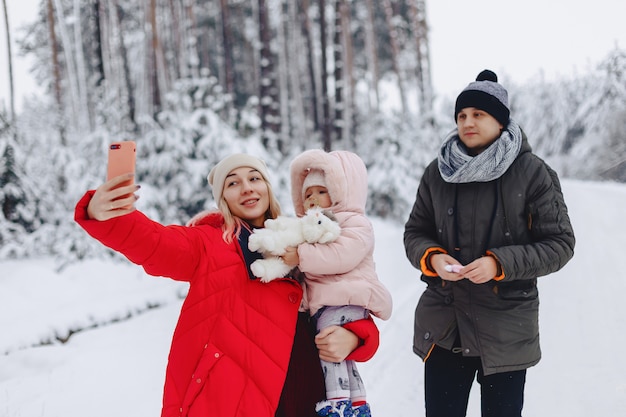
[(218, 174), (314, 177)]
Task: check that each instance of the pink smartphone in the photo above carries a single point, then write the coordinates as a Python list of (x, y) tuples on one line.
[(122, 156)]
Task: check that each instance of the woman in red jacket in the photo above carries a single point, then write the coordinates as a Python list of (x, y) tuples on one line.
[(241, 347)]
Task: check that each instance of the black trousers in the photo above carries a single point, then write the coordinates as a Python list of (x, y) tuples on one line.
[(448, 378)]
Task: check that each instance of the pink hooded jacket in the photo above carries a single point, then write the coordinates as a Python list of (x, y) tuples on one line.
[(342, 272)]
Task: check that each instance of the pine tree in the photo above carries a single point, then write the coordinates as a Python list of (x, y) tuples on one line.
[(16, 220)]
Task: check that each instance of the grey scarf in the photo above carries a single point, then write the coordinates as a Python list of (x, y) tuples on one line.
[(456, 166)]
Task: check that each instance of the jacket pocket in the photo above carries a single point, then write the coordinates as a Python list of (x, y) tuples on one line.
[(543, 219), (437, 285), (517, 290), (210, 357), (435, 319)]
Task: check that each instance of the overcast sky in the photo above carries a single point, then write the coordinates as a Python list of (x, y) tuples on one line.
[(517, 39), (520, 39)]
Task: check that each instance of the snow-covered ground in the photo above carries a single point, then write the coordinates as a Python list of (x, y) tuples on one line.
[(116, 369)]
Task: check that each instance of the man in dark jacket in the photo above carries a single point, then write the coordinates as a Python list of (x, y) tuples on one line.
[(488, 219)]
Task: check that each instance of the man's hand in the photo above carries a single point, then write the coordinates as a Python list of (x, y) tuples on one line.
[(481, 270), (441, 262)]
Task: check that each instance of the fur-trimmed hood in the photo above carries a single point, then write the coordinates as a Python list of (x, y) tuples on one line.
[(209, 217), (345, 176)]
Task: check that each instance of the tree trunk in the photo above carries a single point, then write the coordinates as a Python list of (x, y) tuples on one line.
[(326, 122), (305, 23), (9, 61), (153, 59), (191, 28), (348, 73), (284, 68), (84, 113), (70, 65), (270, 120), (295, 46), (98, 58), (126, 76), (176, 49), (371, 47), (338, 49), (420, 31), (247, 80), (227, 44), (56, 70), (395, 51)]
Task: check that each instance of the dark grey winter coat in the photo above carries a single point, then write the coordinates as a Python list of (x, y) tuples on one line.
[(522, 220)]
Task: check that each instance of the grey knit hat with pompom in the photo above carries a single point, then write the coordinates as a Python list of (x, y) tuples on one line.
[(485, 94)]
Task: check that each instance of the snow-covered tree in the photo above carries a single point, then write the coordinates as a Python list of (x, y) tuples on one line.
[(18, 206), (207, 108)]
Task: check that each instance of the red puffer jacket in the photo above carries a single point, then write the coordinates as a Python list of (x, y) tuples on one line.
[(231, 347), (234, 338)]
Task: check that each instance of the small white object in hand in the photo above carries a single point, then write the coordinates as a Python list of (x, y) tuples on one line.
[(454, 268)]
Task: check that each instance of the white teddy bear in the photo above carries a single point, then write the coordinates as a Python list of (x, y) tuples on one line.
[(314, 227)]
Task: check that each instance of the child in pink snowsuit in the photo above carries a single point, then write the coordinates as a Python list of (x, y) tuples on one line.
[(341, 283)]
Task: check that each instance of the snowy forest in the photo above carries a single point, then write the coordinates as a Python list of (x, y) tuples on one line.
[(193, 81)]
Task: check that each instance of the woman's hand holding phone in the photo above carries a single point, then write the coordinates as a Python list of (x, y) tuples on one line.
[(116, 197), (121, 159), (113, 199)]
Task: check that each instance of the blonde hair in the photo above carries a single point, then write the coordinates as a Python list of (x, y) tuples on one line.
[(233, 224)]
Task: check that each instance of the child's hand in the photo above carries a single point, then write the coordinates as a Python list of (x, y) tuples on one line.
[(290, 257)]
